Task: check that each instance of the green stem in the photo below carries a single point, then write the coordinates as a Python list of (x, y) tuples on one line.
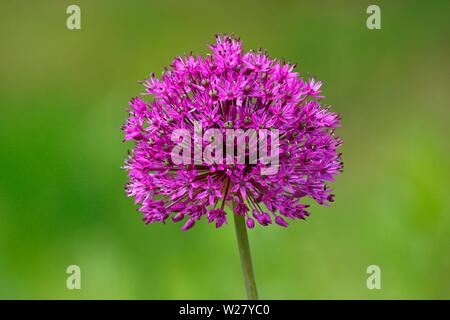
[(246, 258)]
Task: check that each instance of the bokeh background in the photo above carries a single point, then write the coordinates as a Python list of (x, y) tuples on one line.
[(63, 97)]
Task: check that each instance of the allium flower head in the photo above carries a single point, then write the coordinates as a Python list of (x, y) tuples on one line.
[(230, 89)]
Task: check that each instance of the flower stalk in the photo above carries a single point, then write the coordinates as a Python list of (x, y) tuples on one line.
[(245, 256)]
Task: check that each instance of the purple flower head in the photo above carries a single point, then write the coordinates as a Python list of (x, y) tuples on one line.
[(230, 89)]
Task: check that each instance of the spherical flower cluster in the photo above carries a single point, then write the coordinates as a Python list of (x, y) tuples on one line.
[(230, 88)]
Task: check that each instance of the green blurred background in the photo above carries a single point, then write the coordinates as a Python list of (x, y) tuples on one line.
[(63, 98)]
